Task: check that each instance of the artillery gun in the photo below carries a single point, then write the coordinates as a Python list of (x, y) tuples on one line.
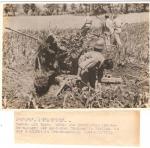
[(24, 34), (48, 62), (45, 72)]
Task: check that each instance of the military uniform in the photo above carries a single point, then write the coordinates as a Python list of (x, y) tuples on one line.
[(86, 27), (108, 30), (89, 64), (117, 31), (117, 41)]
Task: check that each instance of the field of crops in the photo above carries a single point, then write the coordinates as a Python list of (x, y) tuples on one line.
[(19, 54), (64, 22)]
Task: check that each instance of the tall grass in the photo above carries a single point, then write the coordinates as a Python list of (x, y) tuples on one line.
[(19, 54)]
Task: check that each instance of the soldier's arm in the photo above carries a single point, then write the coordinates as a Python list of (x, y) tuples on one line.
[(100, 73)]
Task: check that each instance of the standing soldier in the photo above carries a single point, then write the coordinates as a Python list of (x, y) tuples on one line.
[(117, 41), (87, 25), (117, 30), (108, 30)]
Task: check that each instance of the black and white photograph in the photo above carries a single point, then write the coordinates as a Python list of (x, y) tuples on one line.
[(75, 55)]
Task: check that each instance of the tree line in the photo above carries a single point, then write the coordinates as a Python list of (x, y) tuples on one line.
[(75, 9)]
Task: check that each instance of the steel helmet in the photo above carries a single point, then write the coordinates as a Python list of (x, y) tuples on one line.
[(99, 44)]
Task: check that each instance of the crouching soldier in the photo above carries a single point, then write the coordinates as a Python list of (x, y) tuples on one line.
[(92, 65)]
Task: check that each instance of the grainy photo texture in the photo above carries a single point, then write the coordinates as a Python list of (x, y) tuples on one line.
[(75, 56)]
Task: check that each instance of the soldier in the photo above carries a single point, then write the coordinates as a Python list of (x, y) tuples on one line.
[(108, 30), (117, 41), (117, 29), (92, 65), (87, 25)]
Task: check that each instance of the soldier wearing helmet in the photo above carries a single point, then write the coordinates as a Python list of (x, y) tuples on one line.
[(92, 65)]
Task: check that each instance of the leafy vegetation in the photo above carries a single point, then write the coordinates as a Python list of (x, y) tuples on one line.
[(19, 55), (75, 9)]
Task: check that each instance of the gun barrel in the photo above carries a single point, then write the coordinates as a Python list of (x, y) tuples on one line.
[(22, 33)]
